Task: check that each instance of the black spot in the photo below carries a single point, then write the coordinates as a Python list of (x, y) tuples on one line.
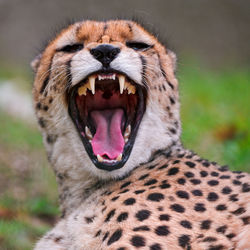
[(176, 161), (164, 217), (139, 191), (212, 196), (230, 236), (209, 239), (226, 190), (190, 164), (163, 166), (233, 197), (129, 201), (186, 224), (197, 192), (98, 233), (151, 167), (181, 181), (183, 240), (199, 207), (221, 229), (155, 197), (51, 139), (124, 191), (213, 173), (221, 207), (203, 173), (141, 228), (223, 168), (45, 108), (195, 181), (182, 194), (224, 177), (165, 185), (122, 217), (205, 163), (42, 122), (150, 182), (115, 198), (155, 246), (38, 105), (105, 236), (115, 236), (143, 177), (172, 101), (142, 214), (173, 171), (162, 230), (246, 220), (177, 208), (121, 248), (239, 211), (89, 219), (189, 174), (110, 215), (206, 224), (212, 183), (236, 182), (125, 184), (245, 187), (138, 241), (216, 247)]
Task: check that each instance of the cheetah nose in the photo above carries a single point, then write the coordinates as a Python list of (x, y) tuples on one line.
[(105, 53)]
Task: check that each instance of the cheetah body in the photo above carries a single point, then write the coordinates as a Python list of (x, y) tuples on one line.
[(164, 197)]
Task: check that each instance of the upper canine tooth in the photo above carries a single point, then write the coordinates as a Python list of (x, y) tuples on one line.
[(99, 77), (92, 84), (121, 82), (113, 76)]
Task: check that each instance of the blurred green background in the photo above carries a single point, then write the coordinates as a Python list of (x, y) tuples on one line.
[(211, 39)]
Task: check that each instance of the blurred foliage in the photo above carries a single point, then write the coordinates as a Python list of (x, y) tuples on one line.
[(215, 118)]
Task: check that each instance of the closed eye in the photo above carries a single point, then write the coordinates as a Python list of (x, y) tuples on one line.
[(138, 45), (71, 48)]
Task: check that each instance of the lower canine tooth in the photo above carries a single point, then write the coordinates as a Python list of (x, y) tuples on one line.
[(88, 133), (92, 84), (119, 157), (99, 158), (121, 82), (82, 90)]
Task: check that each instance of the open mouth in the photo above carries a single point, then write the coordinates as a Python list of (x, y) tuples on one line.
[(107, 108)]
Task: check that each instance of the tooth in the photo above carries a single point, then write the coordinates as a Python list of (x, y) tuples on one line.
[(82, 90), (127, 131), (113, 76), (119, 157), (99, 158), (92, 84), (121, 82), (131, 89), (88, 133), (99, 77)]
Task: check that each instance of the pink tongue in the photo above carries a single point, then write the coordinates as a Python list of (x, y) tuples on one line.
[(108, 140)]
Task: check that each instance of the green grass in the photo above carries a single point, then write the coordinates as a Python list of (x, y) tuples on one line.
[(215, 119)]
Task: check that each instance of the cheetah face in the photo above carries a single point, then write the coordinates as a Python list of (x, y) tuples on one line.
[(110, 89), (107, 107)]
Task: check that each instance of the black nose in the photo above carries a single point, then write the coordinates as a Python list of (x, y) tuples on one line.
[(105, 53)]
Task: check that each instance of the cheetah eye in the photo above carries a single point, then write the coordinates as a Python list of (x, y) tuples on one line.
[(138, 45), (71, 48)]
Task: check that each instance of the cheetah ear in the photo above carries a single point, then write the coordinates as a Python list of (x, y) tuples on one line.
[(35, 62), (173, 59)]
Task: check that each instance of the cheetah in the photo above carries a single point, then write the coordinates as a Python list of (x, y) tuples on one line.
[(107, 103)]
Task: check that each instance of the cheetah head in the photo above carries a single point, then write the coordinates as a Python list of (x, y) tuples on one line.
[(106, 98)]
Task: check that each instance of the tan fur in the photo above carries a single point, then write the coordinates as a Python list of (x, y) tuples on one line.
[(171, 198)]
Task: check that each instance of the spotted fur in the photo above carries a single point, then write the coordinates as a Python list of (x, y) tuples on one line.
[(164, 197)]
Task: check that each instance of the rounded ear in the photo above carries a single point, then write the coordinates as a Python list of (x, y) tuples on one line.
[(173, 59), (35, 62)]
